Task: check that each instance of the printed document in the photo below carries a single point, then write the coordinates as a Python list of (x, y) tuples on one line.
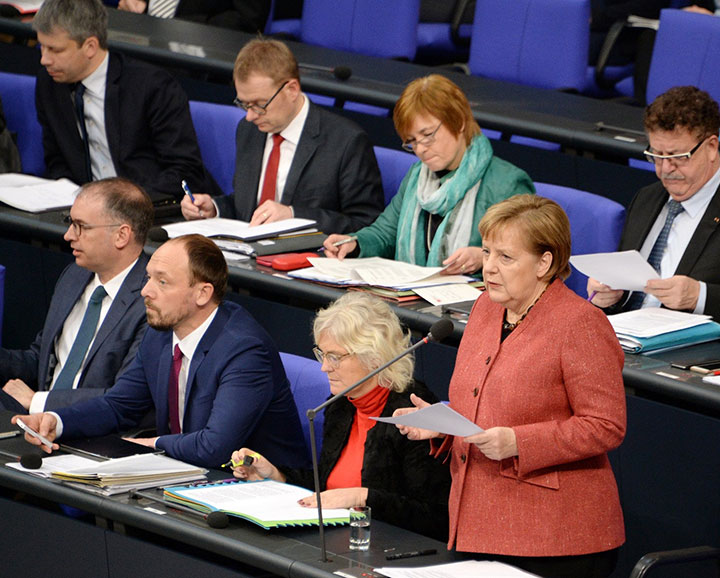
[(35, 195)]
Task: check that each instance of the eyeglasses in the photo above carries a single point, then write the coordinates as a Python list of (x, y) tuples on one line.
[(677, 159), (79, 227), (333, 359), (258, 109), (426, 141)]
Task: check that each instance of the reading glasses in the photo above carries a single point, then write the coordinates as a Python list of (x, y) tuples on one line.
[(677, 158), (258, 109)]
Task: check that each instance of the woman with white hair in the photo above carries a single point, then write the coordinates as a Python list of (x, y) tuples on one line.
[(364, 462)]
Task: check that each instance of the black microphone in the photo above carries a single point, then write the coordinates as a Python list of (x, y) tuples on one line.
[(158, 234), (215, 519), (31, 461), (439, 330), (339, 72)]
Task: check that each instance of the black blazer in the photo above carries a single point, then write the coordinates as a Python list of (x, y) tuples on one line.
[(246, 15), (147, 121), (406, 486), (334, 177), (701, 259)]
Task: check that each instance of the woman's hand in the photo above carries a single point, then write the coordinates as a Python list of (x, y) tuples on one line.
[(340, 498), (496, 443), (464, 261), (340, 251), (261, 468), (414, 433)]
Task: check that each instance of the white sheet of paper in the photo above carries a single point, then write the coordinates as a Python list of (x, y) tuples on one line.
[(34, 194), (651, 321), (465, 569), (234, 228), (52, 464), (437, 417), (626, 270), (444, 294)]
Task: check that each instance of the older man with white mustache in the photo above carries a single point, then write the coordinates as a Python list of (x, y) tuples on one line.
[(675, 224)]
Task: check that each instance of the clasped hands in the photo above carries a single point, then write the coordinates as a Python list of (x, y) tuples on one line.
[(496, 443)]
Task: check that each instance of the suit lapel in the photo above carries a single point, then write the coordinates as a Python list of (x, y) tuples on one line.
[(303, 153), (112, 107), (647, 215), (706, 228), (251, 146), (163, 380)]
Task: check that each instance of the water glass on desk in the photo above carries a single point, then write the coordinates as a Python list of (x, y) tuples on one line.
[(360, 518)]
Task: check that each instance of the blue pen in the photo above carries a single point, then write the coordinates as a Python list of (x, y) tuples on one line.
[(188, 192)]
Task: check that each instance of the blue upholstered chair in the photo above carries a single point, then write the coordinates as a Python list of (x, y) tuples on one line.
[(685, 53), (394, 165), (596, 224), (310, 387), (373, 27), (215, 125), (541, 43), (18, 97)]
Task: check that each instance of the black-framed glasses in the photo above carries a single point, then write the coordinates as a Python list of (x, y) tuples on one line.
[(79, 226), (426, 141), (677, 158), (258, 109), (333, 359)]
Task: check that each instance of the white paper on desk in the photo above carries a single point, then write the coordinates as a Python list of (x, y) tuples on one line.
[(389, 273), (33, 194), (652, 321), (233, 228), (52, 464), (626, 270), (437, 417), (465, 569), (444, 294)]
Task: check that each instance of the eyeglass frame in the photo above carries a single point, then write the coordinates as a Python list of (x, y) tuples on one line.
[(677, 158), (258, 109), (333, 359), (426, 141), (79, 227)]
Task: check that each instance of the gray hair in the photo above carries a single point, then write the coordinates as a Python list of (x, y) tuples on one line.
[(81, 19)]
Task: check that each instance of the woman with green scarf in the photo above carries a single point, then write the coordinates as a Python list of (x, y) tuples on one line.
[(433, 219)]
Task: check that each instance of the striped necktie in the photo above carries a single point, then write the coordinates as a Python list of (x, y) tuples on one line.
[(163, 8)]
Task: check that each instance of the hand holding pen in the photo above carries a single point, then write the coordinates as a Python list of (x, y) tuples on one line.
[(196, 206), (338, 246)]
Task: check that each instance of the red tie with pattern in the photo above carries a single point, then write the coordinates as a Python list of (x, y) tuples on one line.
[(271, 170), (173, 394)]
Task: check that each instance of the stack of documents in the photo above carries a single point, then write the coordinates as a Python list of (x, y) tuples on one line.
[(234, 229), (267, 503), (389, 276), (117, 475), (36, 195), (654, 329)]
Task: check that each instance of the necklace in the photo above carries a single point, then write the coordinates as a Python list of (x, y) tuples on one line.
[(507, 326)]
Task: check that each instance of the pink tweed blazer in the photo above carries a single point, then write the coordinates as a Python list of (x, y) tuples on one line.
[(557, 381)]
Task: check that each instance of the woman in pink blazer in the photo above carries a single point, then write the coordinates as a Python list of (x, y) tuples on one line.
[(539, 369)]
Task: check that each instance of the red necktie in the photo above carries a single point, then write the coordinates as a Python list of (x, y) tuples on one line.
[(173, 394), (271, 170)]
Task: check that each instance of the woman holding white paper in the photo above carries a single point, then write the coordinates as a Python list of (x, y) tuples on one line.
[(540, 369), (432, 220), (364, 462)]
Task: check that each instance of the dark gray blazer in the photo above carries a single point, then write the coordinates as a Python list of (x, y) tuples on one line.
[(334, 177), (701, 259), (112, 350)]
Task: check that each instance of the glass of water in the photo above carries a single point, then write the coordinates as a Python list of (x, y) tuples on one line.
[(360, 518)]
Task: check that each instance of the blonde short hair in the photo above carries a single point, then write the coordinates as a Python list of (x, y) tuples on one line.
[(266, 57), (543, 224), (367, 327), (440, 97)]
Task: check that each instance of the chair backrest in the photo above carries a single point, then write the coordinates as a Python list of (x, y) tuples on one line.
[(540, 43), (215, 125), (685, 53), (374, 27), (393, 165), (18, 97), (310, 387), (596, 224)]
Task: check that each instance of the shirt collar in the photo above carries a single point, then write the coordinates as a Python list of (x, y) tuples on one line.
[(189, 343), (96, 80), (700, 200), (112, 287), (293, 131)]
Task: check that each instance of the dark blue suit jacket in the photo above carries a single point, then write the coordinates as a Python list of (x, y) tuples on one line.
[(112, 350), (237, 395), (333, 179)]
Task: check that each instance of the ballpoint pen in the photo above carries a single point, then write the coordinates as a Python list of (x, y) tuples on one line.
[(344, 241), (188, 192)]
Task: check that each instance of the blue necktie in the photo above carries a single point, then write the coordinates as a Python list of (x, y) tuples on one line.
[(80, 112), (84, 337), (656, 254)]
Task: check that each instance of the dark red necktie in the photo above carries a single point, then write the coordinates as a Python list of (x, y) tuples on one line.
[(173, 393), (271, 170)]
